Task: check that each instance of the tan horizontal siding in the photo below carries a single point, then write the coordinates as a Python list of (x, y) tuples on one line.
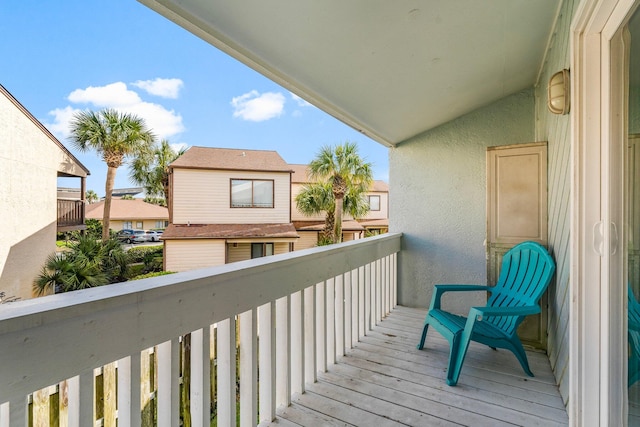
[(238, 252), (184, 255), (308, 239), (204, 197), (280, 248)]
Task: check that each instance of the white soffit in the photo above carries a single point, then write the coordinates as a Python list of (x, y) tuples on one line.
[(391, 69)]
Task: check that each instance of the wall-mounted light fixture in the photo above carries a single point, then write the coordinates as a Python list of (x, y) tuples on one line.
[(559, 92)]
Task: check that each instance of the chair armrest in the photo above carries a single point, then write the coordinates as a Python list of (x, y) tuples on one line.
[(633, 325), (479, 312), (441, 289)]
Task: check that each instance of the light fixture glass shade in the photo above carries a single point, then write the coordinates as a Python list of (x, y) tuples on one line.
[(559, 96)]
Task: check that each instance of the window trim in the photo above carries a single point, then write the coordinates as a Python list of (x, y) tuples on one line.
[(253, 206), (379, 202)]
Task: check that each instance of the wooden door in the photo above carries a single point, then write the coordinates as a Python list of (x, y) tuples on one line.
[(517, 211)]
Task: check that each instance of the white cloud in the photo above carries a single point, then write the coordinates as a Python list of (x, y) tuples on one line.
[(113, 95), (166, 88), (255, 107), (301, 102), (179, 146), (163, 122)]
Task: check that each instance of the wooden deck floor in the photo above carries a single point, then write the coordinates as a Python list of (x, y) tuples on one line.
[(386, 381)]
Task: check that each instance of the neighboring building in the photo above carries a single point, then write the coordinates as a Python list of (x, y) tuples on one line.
[(133, 191), (135, 214), (227, 205), (309, 227), (31, 161)]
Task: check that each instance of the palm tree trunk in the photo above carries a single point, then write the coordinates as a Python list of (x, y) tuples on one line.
[(108, 188), (337, 225)]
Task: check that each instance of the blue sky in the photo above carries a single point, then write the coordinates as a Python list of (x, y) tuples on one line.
[(64, 56)]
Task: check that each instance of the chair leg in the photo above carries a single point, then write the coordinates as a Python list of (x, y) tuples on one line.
[(424, 335), (459, 347), (518, 351)]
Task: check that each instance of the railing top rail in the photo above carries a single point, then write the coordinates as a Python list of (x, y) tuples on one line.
[(60, 336)]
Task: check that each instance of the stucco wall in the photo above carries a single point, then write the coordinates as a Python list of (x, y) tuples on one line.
[(29, 163), (440, 202)]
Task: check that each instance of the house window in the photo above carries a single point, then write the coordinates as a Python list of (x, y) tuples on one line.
[(139, 224), (160, 224), (127, 224), (374, 203), (258, 250), (251, 193)]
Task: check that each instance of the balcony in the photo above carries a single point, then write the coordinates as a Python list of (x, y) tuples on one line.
[(70, 215), (320, 326)]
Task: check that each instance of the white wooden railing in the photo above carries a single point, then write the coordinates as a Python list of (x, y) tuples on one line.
[(307, 307)]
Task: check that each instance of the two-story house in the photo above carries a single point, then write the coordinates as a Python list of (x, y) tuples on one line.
[(227, 205), (309, 227), (31, 161)]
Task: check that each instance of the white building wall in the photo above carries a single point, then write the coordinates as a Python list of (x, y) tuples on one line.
[(440, 203), (204, 197)]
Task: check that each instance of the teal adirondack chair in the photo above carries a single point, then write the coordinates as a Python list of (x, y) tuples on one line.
[(526, 271), (634, 337)]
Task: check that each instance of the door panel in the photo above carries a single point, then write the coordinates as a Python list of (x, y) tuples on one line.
[(517, 211)]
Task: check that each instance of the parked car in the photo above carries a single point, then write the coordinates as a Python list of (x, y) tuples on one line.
[(132, 236), (153, 235)]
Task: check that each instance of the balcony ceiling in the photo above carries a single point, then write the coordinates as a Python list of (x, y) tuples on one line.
[(390, 69)]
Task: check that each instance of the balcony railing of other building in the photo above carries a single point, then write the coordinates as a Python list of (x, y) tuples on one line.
[(70, 214), (296, 314)]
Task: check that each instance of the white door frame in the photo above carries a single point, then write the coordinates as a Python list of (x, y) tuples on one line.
[(598, 393)]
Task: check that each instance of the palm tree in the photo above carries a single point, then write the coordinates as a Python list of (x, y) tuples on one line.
[(152, 171), (115, 137), (318, 197), (346, 171), (88, 263), (90, 196)]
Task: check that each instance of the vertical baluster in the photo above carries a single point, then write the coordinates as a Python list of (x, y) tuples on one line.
[(129, 391), (14, 413), (395, 279), (283, 351), (81, 400), (361, 302), (355, 306), (385, 283), (310, 335), (321, 330), (168, 383), (347, 310), (368, 297), (4, 414), (248, 368), (267, 361), (297, 342), (339, 296), (378, 309), (226, 352), (200, 378), (331, 323)]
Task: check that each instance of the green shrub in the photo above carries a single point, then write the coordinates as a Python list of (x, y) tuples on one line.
[(138, 254)]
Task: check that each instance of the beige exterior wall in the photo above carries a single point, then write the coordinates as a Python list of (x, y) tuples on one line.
[(204, 197), (383, 213), (308, 239), (29, 164), (184, 255)]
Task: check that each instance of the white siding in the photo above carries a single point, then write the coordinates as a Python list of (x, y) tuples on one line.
[(204, 197), (183, 255), (308, 239)]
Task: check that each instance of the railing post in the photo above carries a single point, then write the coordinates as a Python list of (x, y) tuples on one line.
[(248, 368), (339, 318), (355, 305), (331, 320), (347, 310), (267, 361), (321, 330), (283, 351), (361, 303), (310, 367), (227, 372), (297, 342)]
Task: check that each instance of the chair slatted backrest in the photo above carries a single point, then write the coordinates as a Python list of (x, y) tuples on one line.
[(526, 271)]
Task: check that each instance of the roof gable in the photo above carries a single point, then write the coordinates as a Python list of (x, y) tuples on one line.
[(231, 159)]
